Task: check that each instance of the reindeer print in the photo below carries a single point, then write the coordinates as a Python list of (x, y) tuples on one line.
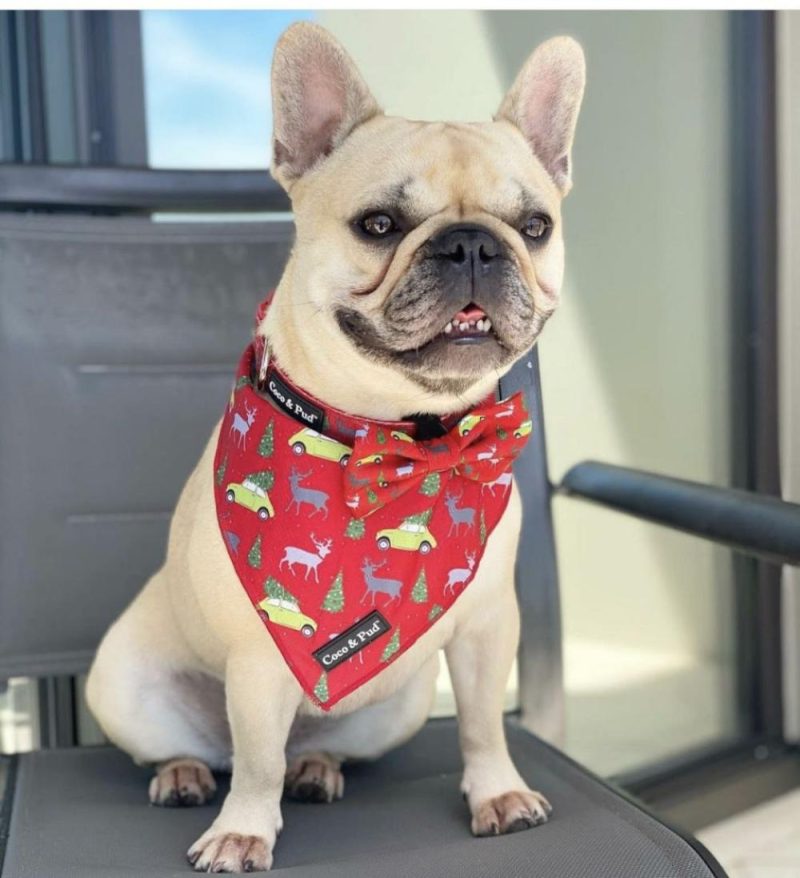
[(502, 481), (310, 560), (459, 575), (311, 496), (232, 540), (241, 426), (458, 514), (489, 454), (376, 585)]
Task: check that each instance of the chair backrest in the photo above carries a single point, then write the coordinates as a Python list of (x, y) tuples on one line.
[(118, 339)]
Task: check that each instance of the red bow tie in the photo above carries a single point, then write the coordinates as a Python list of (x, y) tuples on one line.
[(385, 464)]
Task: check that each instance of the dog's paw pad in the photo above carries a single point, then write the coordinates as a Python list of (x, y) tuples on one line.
[(314, 779), (182, 783), (230, 852), (511, 812)]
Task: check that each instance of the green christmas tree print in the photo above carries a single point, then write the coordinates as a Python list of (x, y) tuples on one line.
[(273, 589), (483, 529), (501, 434), (264, 479), (430, 485), (372, 496), (391, 647), (241, 381), (221, 469), (380, 436), (355, 529), (254, 555), (421, 518), (321, 689), (419, 593), (436, 610), (267, 444), (334, 599)]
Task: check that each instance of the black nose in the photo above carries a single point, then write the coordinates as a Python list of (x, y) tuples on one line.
[(472, 247)]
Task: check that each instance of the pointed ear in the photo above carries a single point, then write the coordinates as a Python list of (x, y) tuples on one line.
[(318, 98), (544, 101)]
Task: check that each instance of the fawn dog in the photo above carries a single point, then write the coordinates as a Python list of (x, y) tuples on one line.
[(428, 258)]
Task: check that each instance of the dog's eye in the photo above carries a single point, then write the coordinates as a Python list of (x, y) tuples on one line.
[(537, 226), (377, 224)]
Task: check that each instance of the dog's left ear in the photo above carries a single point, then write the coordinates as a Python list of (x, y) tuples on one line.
[(318, 98), (544, 101)]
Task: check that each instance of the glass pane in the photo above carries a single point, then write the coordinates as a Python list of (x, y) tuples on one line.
[(636, 371), (19, 715), (207, 86)]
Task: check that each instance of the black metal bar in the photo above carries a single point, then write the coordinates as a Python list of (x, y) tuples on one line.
[(8, 779), (754, 366), (718, 783), (57, 718), (13, 115), (540, 662), (138, 189), (37, 123), (751, 523)]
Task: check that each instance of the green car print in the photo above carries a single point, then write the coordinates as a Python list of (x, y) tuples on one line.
[(287, 614), (250, 496), (468, 422), (524, 429), (410, 537), (370, 458), (308, 441)]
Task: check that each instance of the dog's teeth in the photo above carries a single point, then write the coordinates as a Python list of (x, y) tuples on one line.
[(449, 328), (464, 327), (480, 325), (487, 325)]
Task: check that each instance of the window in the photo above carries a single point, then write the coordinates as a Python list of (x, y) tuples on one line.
[(207, 96)]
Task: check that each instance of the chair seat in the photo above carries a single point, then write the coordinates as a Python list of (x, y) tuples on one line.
[(84, 812)]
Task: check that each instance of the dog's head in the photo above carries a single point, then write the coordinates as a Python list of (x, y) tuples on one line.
[(432, 252)]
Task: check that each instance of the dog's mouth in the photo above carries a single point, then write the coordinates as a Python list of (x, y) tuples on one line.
[(471, 325)]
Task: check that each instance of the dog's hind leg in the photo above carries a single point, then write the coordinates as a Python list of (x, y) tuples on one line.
[(319, 745), (150, 701)]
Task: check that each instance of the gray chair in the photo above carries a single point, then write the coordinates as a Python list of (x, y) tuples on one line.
[(117, 341)]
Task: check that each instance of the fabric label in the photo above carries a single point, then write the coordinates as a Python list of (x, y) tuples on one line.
[(351, 641), (293, 403)]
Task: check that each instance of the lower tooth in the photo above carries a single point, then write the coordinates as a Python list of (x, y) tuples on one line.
[(479, 325), (487, 325), (448, 329), (464, 327)]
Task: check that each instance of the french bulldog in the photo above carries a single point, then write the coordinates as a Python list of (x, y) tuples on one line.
[(428, 257)]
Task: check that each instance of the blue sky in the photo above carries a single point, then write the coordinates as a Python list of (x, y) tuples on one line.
[(207, 86)]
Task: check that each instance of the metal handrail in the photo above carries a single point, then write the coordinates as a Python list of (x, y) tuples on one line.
[(755, 524), (137, 190)]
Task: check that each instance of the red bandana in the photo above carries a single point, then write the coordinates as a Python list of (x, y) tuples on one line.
[(351, 538)]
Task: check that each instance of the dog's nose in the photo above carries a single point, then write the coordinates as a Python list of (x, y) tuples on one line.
[(472, 248)]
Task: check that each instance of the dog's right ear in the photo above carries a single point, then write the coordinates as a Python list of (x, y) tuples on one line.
[(318, 98)]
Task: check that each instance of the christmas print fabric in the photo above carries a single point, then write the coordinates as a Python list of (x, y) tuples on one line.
[(350, 537)]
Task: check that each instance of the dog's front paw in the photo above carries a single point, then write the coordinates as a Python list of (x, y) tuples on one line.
[(314, 778), (182, 782), (230, 852), (510, 812)]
